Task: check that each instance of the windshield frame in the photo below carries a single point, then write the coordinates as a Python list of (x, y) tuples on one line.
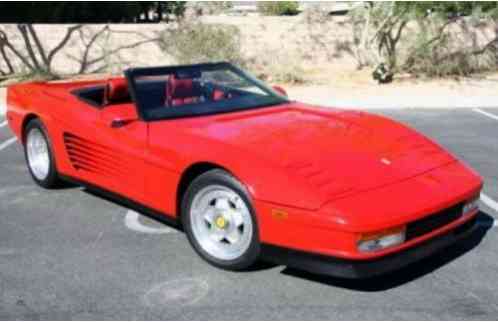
[(196, 110)]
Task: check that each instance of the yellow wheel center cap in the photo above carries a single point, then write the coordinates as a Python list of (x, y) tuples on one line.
[(221, 222)]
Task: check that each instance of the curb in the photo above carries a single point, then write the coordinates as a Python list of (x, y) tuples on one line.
[(404, 102)]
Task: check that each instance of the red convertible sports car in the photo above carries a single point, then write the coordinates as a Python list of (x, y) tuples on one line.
[(247, 172)]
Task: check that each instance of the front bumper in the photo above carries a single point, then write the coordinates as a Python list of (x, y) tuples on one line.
[(356, 269)]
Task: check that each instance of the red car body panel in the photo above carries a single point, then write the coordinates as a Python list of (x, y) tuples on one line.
[(333, 174), (330, 231)]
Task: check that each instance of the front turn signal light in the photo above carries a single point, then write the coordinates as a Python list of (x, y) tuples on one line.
[(471, 205), (376, 241)]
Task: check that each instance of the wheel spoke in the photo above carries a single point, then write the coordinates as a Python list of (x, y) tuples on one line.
[(209, 216), (238, 220), (238, 202), (222, 204), (217, 236), (234, 236)]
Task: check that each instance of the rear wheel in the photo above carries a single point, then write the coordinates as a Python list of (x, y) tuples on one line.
[(39, 156), (219, 221)]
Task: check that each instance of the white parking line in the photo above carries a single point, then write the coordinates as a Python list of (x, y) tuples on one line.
[(4, 123), (489, 202), (484, 198), (478, 110), (5, 144), (132, 222)]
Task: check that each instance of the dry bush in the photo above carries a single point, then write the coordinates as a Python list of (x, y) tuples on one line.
[(405, 38), (197, 43), (284, 73), (452, 48), (211, 7), (275, 67), (278, 8), (326, 36)]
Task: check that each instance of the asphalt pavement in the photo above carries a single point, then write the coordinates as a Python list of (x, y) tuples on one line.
[(70, 254)]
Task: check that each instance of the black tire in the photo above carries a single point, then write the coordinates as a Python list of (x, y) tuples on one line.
[(52, 180), (222, 178)]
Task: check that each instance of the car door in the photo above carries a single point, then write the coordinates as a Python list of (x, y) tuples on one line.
[(106, 146), (120, 149)]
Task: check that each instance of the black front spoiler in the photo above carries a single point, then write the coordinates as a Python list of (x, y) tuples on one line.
[(358, 269)]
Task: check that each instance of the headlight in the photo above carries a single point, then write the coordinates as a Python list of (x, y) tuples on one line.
[(380, 240), (471, 205)]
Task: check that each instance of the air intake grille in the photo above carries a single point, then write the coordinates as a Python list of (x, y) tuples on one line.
[(433, 222), (91, 157)]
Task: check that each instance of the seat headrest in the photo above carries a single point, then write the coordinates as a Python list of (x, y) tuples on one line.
[(180, 88), (117, 90)]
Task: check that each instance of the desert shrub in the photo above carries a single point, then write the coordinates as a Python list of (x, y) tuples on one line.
[(278, 8), (211, 7), (451, 48), (426, 38), (287, 74), (274, 67), (198, 42)]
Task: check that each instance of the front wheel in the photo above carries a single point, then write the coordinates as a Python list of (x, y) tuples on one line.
[(219, 221)]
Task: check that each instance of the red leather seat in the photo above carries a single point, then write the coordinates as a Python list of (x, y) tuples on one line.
[(117, 91), (218, 95), (181, 91)]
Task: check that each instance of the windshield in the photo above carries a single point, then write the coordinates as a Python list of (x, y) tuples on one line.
[(183, 91)]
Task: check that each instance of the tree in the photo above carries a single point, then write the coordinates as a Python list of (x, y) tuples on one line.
[(34, 55), (68, 12), (23, 53), (22, 50), (380, 27), (88, 11)]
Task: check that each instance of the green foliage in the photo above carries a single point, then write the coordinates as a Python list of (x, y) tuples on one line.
[(448, 8), (197, 43), (176, 8), (66, 12), (278, 8)]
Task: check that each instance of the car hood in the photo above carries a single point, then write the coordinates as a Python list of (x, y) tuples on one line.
[(333, 153)]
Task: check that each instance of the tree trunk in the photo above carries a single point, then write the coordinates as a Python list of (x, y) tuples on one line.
[(6, 59), (29, 47)]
